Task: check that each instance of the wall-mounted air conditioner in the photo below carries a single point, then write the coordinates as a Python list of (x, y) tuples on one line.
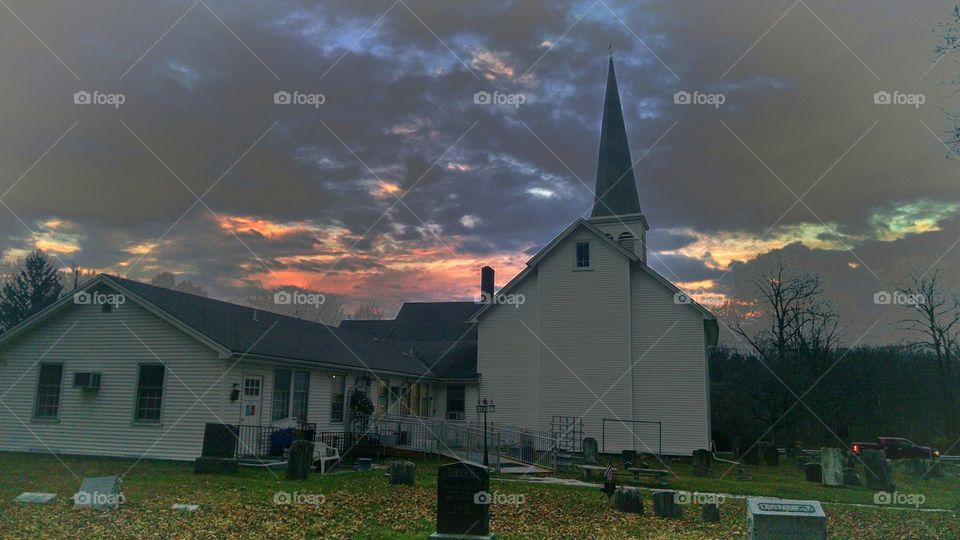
[(86, 380)]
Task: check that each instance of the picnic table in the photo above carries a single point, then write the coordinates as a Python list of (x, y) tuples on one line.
[(588, 470), (659, 474)]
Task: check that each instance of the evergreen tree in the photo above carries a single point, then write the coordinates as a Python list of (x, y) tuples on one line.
[(34, 287)]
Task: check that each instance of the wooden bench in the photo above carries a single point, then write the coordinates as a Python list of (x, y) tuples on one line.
[(659, 474), (588, 470)]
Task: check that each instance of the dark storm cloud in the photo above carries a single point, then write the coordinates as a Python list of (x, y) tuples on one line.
[(476, 181)]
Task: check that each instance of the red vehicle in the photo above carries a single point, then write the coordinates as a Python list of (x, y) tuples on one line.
[(897, 448)]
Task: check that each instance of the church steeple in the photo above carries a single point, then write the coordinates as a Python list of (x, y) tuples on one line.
[(616, 192)]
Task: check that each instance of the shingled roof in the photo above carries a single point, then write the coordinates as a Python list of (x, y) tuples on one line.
[(435, 330), (241, 330)]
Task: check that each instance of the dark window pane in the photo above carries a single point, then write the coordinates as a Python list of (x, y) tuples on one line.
[(48, 391), (456, 397), (149, 392), (583, 254), (281, 394), (301, 394), (337, 391)]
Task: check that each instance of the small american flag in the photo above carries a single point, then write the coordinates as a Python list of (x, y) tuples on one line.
[(608, 473)]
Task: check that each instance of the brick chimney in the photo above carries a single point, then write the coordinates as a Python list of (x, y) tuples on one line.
[(486, 284)]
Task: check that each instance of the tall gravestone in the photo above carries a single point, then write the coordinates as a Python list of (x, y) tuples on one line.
[(463, 502), (300, 460), (702, 462), (876, 470), (590, 452), (666, 505), (831, 466), (628, 499), (219, 449), (629, 458), (813, 473), (776, 519)]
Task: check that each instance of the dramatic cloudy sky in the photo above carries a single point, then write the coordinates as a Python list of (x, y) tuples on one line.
[(399, 187)]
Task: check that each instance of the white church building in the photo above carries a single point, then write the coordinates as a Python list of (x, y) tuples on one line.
[(602, 345)]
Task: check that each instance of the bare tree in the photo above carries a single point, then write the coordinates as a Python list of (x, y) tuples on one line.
[(300, 302), (168, 280), (787, 322), (934, 314), (368, 312)]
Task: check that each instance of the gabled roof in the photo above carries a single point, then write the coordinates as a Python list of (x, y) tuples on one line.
[(582, 223), (234, 330), (439, 331)]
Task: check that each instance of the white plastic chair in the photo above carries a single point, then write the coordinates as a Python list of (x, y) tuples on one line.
[(323, 453)]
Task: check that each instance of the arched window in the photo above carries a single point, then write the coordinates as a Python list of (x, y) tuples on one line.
[(627, 242)]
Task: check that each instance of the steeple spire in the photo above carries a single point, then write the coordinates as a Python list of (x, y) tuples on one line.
[(616, 192)]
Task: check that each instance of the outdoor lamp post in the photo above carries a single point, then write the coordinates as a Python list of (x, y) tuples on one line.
[(484, 406)]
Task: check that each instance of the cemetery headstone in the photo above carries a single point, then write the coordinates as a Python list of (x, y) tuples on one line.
[(35, 498), (711, 513), (463, 502), (743, 474), (629, 458), (774, 519), (300, 460), (219, 441), (831, 466), (702, 462), (850, 477), (219, 450), (628, 499), (590, 451), (751, 455), (876, 470), (402, 473), (100, 493), (185, 507), (665, 504), (813, 473), (771, 456), (364, 464)]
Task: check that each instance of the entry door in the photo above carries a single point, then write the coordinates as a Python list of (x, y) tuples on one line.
[(252, 400)]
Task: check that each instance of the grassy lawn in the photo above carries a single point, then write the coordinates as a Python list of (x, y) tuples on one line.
[(359, 505)]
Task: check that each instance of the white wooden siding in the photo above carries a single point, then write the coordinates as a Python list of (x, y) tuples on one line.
[(102, 422), (584, 337), (670, 377), (508, 360), (593, 326)]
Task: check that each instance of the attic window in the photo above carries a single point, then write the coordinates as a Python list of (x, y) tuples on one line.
[(583, 254), (627, 242)]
